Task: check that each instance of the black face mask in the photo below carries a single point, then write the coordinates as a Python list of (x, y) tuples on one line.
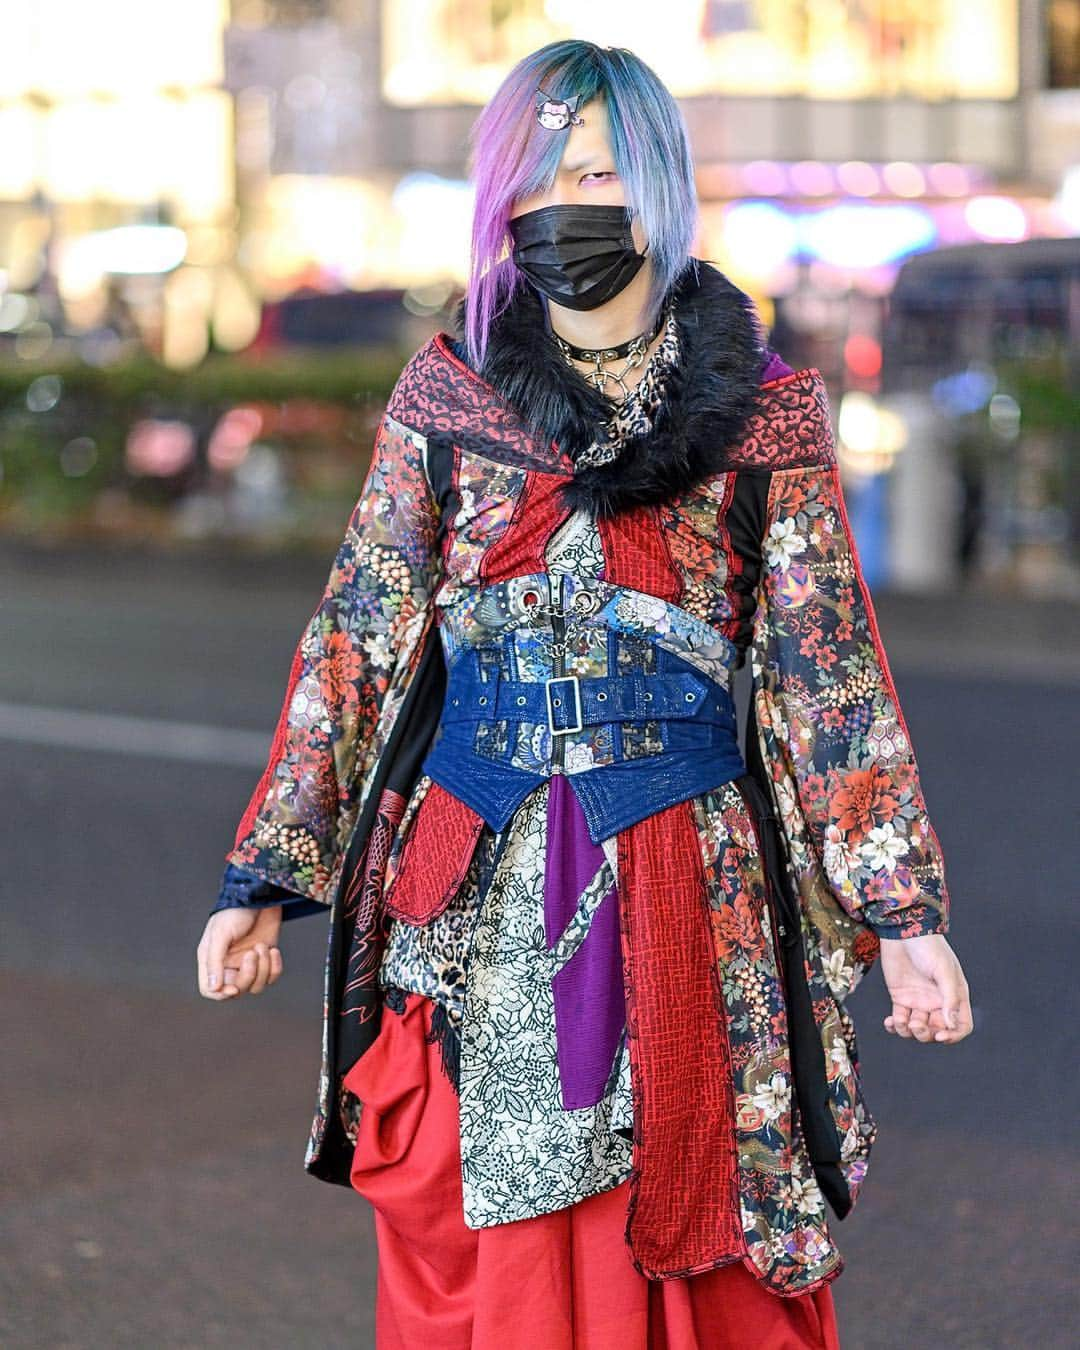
[(578, 256)]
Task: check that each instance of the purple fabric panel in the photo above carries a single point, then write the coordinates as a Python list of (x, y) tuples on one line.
[(588, 991), (775, 369)]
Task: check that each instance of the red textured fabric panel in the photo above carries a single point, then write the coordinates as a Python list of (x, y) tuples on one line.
[(441, 1284), (435, 858), (538, 514), (636, 556), (684, 1209)]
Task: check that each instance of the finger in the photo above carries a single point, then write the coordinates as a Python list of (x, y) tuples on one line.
[(262, 972), (957, 1011), (921, 1029), (900, 1017), (211, 963), (277, 964), (245, 975), (226, 991), (953, 989), (229, 975), (965, 1025)]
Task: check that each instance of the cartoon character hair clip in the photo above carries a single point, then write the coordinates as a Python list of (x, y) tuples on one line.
[(557, 113)]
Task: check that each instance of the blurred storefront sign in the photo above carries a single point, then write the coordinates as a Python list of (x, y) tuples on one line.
[(457, 50), (287, 179), (307, 97)]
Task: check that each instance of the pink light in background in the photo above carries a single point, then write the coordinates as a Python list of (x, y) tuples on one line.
[(159, 449), (232, 437)]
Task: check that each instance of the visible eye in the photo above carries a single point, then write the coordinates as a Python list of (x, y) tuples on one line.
[(607, 173)]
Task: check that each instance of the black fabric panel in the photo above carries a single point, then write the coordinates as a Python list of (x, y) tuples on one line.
[(398, 769), (746, 525), (746, 522), (440, 472), (808, 1068), (423, 706)]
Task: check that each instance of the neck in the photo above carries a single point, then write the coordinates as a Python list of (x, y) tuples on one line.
[(621, 318)]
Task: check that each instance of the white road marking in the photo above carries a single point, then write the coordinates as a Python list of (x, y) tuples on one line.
[(119, 734)]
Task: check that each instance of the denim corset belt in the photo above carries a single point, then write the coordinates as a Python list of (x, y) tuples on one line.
[(642, 740)]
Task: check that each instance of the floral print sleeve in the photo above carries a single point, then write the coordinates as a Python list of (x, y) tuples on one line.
[(847, 783), (351, 669)]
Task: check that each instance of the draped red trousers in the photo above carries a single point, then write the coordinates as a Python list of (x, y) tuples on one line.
[(559, 1281)]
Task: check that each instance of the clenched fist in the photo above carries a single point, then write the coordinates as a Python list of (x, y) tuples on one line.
[(238, 952)]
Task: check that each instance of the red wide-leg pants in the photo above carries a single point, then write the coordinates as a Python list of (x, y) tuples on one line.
[(560, 1281)]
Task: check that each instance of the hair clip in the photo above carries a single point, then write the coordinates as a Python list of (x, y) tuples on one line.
[(557, 113)]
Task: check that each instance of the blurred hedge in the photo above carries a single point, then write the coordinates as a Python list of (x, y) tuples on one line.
[(102, 403), (1048, 399), (339, 376)]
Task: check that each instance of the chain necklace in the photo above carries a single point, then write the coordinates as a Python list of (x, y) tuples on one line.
[(633, 351), (633, 415)]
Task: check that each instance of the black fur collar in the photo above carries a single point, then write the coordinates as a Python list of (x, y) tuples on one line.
[(711, 394)]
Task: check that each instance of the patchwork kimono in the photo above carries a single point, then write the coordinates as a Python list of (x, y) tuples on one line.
[(508, 764)]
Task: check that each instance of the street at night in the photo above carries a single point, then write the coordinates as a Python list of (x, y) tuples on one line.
[(154, 1192)]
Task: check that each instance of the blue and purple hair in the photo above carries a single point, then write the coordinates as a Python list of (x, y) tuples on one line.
[(512, 157)]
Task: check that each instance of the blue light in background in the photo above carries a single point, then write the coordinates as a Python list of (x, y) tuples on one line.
[(860, 235), (866, 497)]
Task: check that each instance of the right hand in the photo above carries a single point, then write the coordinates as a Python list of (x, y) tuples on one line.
[(238, 952)]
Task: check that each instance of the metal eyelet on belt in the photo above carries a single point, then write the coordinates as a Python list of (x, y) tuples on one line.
[(601, 697), (482, 700), (521, 700), (690, 698), (584, 602), (648, 697)]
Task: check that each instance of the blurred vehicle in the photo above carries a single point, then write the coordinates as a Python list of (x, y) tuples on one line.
[(981, 351), (986, 303), (377, 318)]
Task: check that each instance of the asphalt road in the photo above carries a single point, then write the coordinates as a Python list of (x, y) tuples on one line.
[(153, 1185)]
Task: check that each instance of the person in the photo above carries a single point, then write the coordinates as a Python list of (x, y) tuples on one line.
[(586, 1046)]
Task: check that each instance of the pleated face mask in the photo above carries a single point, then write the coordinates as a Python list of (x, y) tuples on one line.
[(577, 255)]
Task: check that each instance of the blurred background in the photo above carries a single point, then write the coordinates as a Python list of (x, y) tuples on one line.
[(223, 229)]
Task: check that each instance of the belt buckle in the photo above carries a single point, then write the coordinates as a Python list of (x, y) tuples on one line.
[(563, 679)]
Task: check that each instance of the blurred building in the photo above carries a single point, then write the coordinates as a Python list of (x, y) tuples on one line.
[(352, 120), (322, 143), (116, 168), (833, 141), (172, 175)]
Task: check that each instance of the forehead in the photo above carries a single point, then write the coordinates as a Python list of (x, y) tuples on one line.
[(590, 140)]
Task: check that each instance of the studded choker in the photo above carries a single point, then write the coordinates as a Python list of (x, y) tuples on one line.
[(633, 351)]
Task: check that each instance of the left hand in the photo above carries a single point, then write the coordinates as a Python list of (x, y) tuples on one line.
[(930, 996)]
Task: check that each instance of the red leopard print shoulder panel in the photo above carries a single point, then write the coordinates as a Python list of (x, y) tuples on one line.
[(790, 428), (436, 393)]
